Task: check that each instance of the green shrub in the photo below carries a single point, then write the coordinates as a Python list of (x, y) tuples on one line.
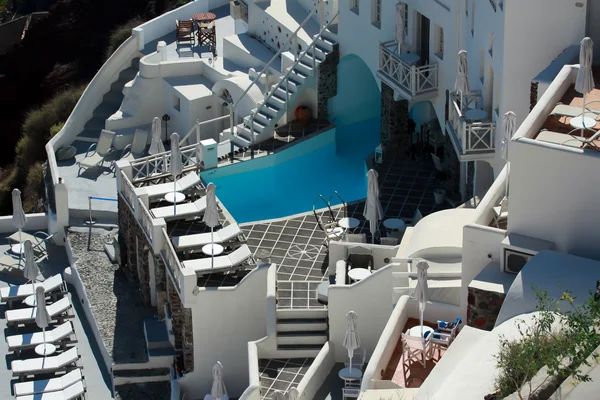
[(120, 34), (54, 129), (33, 191)]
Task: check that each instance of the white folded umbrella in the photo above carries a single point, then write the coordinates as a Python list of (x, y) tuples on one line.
[(351, 339)]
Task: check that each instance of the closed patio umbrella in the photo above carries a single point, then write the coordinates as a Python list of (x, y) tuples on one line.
[(585, 79), (399, 34), (277, 395), (175, 166), (462, 76), (218, 390), (31, 270), (211, 215), (373, 211), (156, 146), (19, 220), (509, 122), (42, 318), (421, 289), (293, 394), (351, 339)]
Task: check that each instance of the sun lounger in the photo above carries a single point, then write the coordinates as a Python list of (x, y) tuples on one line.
[(43, 365), (56, 310), (559, 138), (564, 110), (223, 235), (100, 151), (9, 261), (74, 391), (48, 385), (137, 147), (18, 292), (187, 182), (221, 263), (24, 341), (183, 210), (38, 239)]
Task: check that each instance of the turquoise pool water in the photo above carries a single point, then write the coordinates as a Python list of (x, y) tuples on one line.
[(291, 185)]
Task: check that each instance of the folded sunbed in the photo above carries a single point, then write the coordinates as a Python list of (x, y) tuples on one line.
[(223, 235), (42, 365), (221, 263), (8, 261), (187, 182), (56, 310), (28, 340), (72, 392), (17, 292), (183, 210), (38, 239), (47, 385)]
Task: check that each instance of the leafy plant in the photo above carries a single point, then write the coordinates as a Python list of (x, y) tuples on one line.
[(54, 129), (562, 350), (120, 34)]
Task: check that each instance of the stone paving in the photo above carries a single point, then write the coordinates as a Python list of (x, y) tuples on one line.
[(281, 374)]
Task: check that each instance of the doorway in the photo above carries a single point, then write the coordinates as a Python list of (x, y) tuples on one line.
[(423, 38)]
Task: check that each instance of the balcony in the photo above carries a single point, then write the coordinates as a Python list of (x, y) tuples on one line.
[(472, 140), (412, 82)]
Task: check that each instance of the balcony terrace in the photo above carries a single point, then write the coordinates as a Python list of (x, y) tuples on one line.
[(472, 139), (414, 83)]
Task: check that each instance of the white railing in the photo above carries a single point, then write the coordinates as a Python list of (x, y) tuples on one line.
[(474, 137), (157, 165), (146, 221), (128, 191), (413, 80), (172, 264)]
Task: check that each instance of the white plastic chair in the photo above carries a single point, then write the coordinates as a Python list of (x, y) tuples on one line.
[(415, 349), (350, 393), (24, 341), (57, 311), (45, 364), (48, 385), (100, 151), (137, 147), (221, 263)]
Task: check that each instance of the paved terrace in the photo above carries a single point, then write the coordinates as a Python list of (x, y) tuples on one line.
[(281, 374), (97, 379), (295, 243)]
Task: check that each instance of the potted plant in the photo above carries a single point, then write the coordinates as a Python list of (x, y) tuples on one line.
[(440, 195), (303, 114), (235, 10)]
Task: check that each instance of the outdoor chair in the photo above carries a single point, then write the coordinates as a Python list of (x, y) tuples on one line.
[(389, 241), (445, 333), (44, 365), (415, 349), (75, 391), (350, 393), (500, 212), (359, 257), (185, 183), (137, 147), (18, 292), (355, 238), (11, 261), (97, 152), (185, 31), (181, 211), (221, 263), (38, 239), (223, 235), (48, 385), (57, 311), (207, 34), (24, 341)]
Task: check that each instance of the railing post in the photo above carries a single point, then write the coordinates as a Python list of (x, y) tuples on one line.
[(231, 127), (295, 45), (91, 220), (322, 12), (413, 80), (252, 136), (197, 131)]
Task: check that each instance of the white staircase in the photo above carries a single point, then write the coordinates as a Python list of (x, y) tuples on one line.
[(301, 333), (260, 124)]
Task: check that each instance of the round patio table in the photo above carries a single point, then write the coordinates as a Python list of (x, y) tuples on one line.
[(582, 122), (174, 197), (476, 114), (204, 17), (416, 330), (18, 249), (212, 249), (348, 374), (45, 349)]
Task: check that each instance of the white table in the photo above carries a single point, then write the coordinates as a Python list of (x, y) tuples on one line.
[(348, 223), (476, 114), (394, 224), (18, 249), (212, 249), (583, 122), (358, 274), (174, 197), (348, 374), (45, 349), (30, 300), (410, 58), (416, 330)]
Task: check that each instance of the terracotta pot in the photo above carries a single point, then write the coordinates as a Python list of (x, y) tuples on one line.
[(303, 115)]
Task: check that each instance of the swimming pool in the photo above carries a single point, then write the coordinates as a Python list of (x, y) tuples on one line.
[(288, 182)]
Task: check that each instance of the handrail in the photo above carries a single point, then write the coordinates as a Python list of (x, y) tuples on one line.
[(197, 126), (279, 52), (344, 205), (289, 71), (187, 135)]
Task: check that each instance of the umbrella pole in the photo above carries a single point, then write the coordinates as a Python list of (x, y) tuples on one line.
[(174, 195), (44, 339), (212, 248), (583, 115), (421, 318), (350, 354)]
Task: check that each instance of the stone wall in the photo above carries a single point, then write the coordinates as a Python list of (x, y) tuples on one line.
[(533, 95), (394, 122), (160, 278), (182, 326), (483, 308), (327, 84)]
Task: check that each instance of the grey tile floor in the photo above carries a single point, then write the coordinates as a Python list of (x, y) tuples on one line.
[(294, 294), (281, 374)]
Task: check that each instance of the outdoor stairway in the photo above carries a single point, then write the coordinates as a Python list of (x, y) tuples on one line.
[(262, 120), (301, 333), (110, 104)]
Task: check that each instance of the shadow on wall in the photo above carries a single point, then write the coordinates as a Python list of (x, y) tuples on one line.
[(358, 96)]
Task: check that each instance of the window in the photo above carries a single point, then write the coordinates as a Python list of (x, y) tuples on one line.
[(467, 7), (354, 5), (501, 4), (405, 16), (376, 13), (473, 18), (496, 96), (491, 44), (481, 65), (176, 103), (439, 47)]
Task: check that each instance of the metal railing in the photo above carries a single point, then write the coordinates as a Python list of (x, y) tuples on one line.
[(413, 80), (474, 136), (173, 266), (157, 165)]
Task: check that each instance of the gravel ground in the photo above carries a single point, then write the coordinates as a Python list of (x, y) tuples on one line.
[(146, 391), (115, 300)]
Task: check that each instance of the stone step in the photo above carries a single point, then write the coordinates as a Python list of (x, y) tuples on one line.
[(301, 325), (157, 336), (302, 338), (300, 313), (300, 347), (95, 124), (128, 74), (124, 377), (89, 136), (113, 97), (105, 110)]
